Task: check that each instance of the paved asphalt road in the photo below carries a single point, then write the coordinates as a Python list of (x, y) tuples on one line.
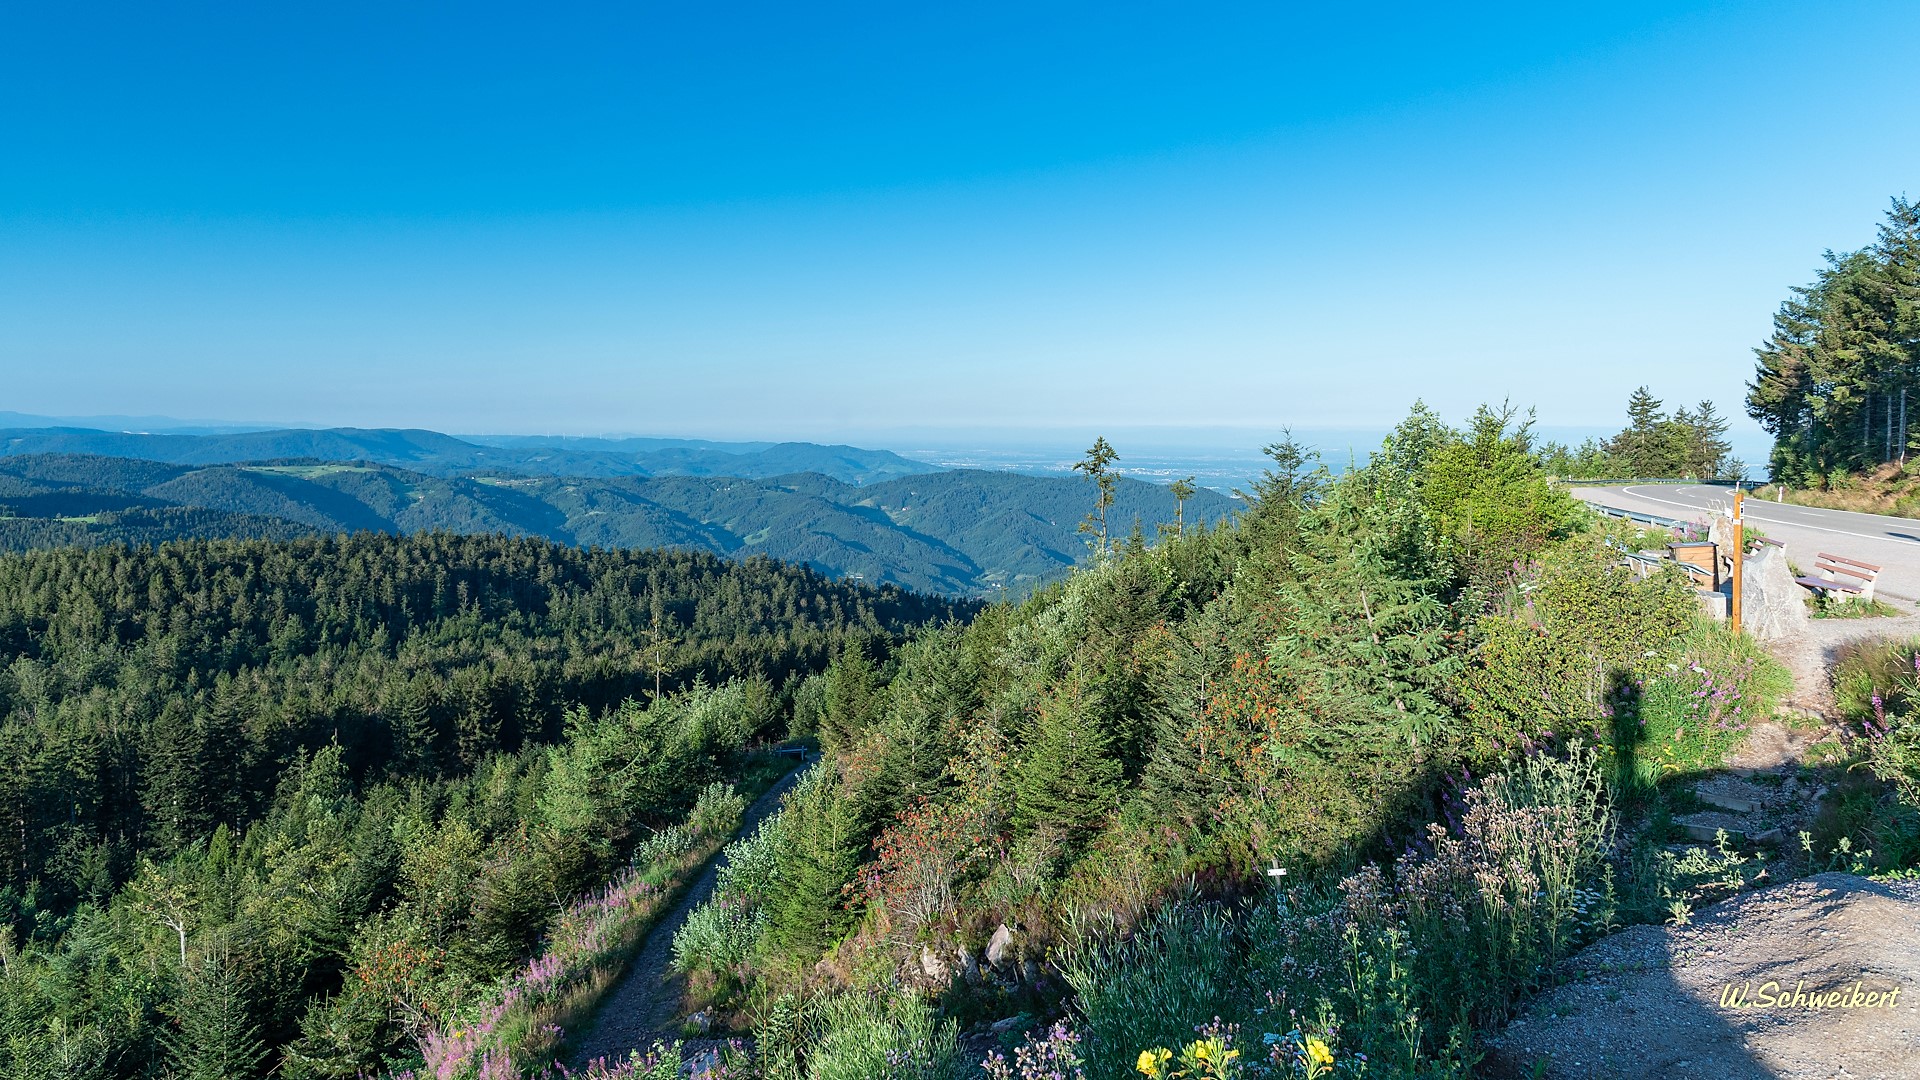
[(1889, 542)]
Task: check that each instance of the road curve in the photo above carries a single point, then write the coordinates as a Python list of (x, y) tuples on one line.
[(1889, 542)]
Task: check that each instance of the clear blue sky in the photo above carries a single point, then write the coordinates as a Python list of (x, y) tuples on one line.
[(872, 223)]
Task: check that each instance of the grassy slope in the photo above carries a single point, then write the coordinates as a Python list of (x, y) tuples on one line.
[(1890, 489)]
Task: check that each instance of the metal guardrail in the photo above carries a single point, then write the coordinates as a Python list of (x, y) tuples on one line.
[(1644, 519), (1620, 481)]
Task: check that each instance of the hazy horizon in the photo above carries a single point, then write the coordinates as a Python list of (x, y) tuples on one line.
[(1220, 457)]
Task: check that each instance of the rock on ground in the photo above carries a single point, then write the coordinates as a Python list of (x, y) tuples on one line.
[(1647, 1001), (1773, 606)]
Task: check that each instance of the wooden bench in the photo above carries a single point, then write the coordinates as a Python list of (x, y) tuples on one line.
[(1839, 574)]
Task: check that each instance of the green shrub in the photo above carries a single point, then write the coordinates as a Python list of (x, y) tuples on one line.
[(717, 811), (718, 936), (664, 846), (752, 861), (1579, 627), (1690, 716)]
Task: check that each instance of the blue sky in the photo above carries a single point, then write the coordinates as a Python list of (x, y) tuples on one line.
[(897, 224)]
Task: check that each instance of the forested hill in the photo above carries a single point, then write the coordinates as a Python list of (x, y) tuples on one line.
[(148, 695), (436, 454), (960, 532), (267, 806)]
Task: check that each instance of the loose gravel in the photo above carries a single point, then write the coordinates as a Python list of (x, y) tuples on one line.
[(1648, 1001)]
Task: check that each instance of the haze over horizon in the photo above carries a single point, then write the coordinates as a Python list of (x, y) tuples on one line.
[(870, 225)]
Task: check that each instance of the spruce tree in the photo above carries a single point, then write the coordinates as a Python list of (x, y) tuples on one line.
[(808, 912), (1181, 490), (1782, 394), (1709, 449), (412, 729), (1098, 467), (1637, 450), (852, 692), (214, 1038), (1069, 776)]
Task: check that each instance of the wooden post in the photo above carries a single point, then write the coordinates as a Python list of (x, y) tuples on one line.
[(1739, 561)]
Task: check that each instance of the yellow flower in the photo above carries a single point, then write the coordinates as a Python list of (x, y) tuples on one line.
[(1200, 1051), (1151, 1060), (1318, 1053)]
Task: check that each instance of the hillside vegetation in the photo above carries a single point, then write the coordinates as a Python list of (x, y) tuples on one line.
[(1050, 834), (959, 533), (286, 805), (1069, 812), (1892, 488), (150, 695)]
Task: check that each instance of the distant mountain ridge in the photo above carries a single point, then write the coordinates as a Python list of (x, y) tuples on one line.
[(959, 532), (436, 454)]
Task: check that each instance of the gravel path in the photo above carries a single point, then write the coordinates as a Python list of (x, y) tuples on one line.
[(1811, 658), (644, 1007), (1648, 1001)]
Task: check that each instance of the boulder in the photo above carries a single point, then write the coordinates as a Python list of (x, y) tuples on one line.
[(969, 965), (1720, 532), (1772, 606), (933, 966), (1000, 948)]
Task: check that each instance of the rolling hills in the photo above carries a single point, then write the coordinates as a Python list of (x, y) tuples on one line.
[(436, 454), (959, 532)]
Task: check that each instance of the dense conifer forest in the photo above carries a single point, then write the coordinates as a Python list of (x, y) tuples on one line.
[(230, 769)]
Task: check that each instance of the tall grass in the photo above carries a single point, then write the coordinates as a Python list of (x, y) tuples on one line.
[(1878, 691), (1150, 987), (1692, 716), (899, 1037)]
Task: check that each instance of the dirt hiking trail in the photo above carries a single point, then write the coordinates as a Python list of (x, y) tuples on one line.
[(644, 1006)]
